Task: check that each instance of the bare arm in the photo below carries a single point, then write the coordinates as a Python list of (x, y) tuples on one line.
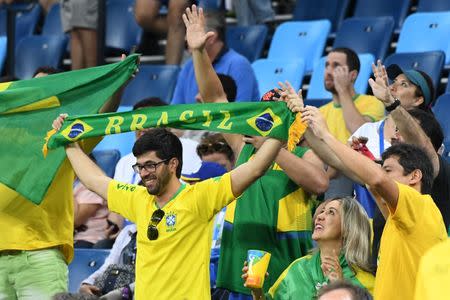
[(82, 212), (247, 173), (208, 82)]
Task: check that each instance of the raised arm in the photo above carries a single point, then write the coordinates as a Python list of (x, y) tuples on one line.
[(87, 171), (357, 164), (247, 173)]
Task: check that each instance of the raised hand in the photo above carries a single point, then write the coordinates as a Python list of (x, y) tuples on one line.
[(57, 123), (293, 99), (380, 86), (313, 117), (194, 20), (342, 79)]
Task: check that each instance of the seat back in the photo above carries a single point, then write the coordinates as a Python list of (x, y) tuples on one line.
[(333, 10), (151, 81), (271, 71), (84, 263), (426, 32), (431, 62), (122, 31), (441, 110), (38, 50), (107, 160), (397, 9), (435, 5), (317, 95), (366, 35), (3, 44), (300, 40), (247, 40), (26, 21), (52, 23)]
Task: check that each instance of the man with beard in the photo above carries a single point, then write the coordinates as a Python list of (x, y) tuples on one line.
[(348, 110), (173, 220)]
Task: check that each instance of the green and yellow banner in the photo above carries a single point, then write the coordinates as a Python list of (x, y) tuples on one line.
[(272, 119), (27, 109)]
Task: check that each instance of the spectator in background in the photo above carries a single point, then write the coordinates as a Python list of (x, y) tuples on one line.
[(79, 19), (343, 290), (214, 148), (224, 60), (276, 212), (348, 110), (148, 17), (124, 171), (414, 223), (342, 232), (251, 12)]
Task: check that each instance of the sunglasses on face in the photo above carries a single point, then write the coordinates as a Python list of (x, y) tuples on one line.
[(148, 166), (212, 148), (152, 230)]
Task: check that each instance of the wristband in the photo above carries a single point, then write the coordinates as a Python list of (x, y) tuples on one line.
[(393, 106), (126, 293)]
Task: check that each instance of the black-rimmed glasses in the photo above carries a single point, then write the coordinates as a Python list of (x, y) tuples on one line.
[(152, 231), (148, 166)]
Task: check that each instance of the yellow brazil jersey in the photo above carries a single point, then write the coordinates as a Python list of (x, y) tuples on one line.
[(176, 264), (414, 227), (31, 226), (368, 106), (433, 277)]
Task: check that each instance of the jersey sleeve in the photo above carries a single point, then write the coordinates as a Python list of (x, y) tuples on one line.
[(373, 108), (211, 195), (124, 198)]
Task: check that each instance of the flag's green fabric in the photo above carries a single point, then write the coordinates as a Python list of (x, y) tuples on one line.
[(27, 109), (264, 118)]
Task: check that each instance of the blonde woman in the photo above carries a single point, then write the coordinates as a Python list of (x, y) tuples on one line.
[(342, 233)]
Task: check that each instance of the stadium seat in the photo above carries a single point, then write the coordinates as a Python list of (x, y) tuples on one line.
[(247, 40), (52, 23), (35, 51), (441, 110), (122, 142), (398, 9), (151, 81), (447, 90), (270, 71), (25, 21), (300, 40), (122, 31), (84, 263), (366, 35), (434, 5), (431, 63), (426, 32), (107, 160), (2, 52), (333, 10), (317, 95)]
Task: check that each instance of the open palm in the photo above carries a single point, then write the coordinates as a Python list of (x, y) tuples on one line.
[(194, 20)]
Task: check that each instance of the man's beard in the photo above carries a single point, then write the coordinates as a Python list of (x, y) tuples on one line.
[(160, 183)]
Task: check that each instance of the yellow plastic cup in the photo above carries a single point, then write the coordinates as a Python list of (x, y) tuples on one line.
[(258, 261)]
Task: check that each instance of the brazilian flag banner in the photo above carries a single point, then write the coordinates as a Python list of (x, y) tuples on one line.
[(27, 109), (272, 119)]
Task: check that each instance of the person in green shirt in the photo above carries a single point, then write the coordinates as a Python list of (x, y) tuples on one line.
[(342, 232)]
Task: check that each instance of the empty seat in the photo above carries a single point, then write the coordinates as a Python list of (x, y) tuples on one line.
[(271, 71), (247, 40), (26, 21), (52, 23), (333, 10), (433, 5), (151, 81), (317, 95), (398, 9), (84, 263), (35, 51), (300, 40), (366, 35), (426, 32), (2, 52), (107, 160), (122, 31), (441, 111), (431, 62)]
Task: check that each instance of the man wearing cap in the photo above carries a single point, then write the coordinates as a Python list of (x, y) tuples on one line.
[(277, 213)]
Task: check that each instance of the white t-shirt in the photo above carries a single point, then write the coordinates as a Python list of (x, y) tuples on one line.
[(191, 163), (371, 131)]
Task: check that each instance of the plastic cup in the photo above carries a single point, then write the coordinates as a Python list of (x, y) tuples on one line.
[(258, 261)]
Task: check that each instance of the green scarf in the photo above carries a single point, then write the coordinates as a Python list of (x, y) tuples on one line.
[(272, 119), (27, 109)]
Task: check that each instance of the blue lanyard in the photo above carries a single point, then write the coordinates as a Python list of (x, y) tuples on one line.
[(381, 135)]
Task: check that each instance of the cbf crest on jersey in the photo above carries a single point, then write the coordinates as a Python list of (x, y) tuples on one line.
[(265, 122), (171, 221)]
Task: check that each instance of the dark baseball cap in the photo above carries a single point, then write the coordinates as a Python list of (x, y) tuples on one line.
[(271, 95), (415, 77)]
